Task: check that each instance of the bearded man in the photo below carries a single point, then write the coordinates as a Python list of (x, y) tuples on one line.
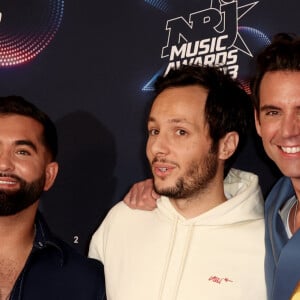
[(34, 264), (205, 239)]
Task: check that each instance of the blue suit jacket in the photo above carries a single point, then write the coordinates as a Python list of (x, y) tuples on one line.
[(282, 263)]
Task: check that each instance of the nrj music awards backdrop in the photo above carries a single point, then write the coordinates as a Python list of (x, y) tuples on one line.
[(91, 66)]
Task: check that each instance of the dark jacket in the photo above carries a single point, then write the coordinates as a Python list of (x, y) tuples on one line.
[(55, 271), (282, 264)]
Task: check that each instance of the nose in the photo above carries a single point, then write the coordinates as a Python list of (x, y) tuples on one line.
[(6, 163), (158, 145), (290, 126)]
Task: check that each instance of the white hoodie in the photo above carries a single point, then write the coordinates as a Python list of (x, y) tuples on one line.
[(153, 255)]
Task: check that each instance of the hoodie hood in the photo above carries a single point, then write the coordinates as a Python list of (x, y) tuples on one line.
[(244, 203)]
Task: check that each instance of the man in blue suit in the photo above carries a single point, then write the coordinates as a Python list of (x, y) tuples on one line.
[(276, 93)]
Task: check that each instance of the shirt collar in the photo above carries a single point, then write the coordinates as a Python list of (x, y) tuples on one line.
[(44, 239)]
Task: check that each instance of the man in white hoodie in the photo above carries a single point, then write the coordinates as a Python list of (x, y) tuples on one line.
[(205, 239)]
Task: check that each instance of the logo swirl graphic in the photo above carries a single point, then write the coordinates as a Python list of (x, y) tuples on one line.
[(208, 34), (27, 29)]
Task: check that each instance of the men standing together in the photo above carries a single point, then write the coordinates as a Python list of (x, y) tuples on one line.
[(205, 238), (276, 94)]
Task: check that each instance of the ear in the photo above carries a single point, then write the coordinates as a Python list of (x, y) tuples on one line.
[(257, 122), (51, 172), (228, 145)]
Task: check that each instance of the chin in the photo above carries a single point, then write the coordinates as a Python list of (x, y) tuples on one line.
[(161, 188), (290, 173)]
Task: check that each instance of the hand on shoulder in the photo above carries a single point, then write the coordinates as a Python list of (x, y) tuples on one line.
[(142, 196)]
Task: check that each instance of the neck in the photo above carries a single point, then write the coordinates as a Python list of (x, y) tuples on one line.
[(294, 218), (201, 202), (296, 186), (16, 236)]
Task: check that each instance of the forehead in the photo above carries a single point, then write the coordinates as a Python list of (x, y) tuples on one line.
[(280, 88), (18, 126), (182, 102)]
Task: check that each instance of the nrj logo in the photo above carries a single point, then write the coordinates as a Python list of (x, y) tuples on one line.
[(208, 37), (211, 36)]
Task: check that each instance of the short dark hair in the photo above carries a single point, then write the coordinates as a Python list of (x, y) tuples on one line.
[(17, 105), (283, 54), (228, 107)]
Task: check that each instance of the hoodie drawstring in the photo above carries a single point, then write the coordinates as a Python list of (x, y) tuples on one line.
[(184, 257), (169, 256)]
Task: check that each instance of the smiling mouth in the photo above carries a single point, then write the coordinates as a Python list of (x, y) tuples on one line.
[(290, 150), (7, 180)]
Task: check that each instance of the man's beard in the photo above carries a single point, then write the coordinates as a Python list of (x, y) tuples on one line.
[(194, 181), (14, 201)]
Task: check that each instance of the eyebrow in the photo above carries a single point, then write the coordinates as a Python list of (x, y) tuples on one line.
[(270, 107), (175, 120), (27, 143)]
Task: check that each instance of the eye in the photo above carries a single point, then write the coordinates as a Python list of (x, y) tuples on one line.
[(272, 113), (181, 132), (23, 152), (153, 132)]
